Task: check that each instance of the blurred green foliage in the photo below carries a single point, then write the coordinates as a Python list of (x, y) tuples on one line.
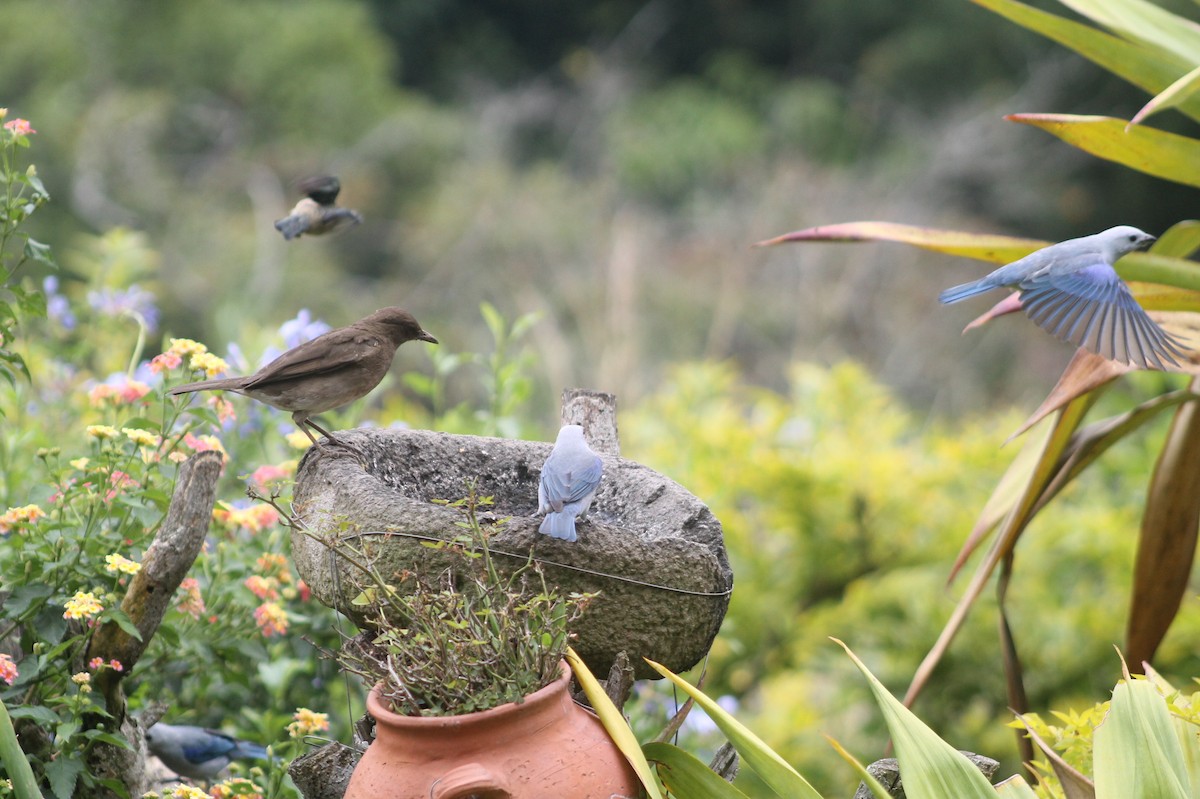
[(842, 511)]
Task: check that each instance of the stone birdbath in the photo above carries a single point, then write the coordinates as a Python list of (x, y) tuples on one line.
[(653, 551)]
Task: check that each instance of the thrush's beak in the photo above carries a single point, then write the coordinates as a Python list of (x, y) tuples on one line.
[(1145, 243), (423, 336)]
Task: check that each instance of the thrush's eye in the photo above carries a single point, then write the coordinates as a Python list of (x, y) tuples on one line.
[(1132, 237)]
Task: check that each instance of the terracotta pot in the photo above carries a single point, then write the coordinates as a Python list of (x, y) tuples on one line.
[(546, 746)]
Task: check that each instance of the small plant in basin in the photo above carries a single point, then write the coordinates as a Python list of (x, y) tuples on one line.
[(468, 681)]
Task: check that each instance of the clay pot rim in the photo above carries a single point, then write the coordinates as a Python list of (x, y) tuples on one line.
[(545, 695)]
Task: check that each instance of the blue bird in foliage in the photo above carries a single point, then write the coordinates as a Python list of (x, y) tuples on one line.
[(196, 752)]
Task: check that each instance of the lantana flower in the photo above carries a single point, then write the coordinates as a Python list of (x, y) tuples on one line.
[(19, 516), (19, 127), (271, 619), (8, 669), (118, 563), (307, 722), (84, 605)]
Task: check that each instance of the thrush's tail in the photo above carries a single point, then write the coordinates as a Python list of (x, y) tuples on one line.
[(224, 383)]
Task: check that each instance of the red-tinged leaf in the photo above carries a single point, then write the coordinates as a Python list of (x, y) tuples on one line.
[(1086, 372), (1167, 545), (982, 246), (1181, 240), (1173, 96), (1094, 440), (1010, 304), (1145, 66), (1165, 155), (1013, 526)]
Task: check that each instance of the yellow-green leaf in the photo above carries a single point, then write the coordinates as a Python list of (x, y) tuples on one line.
[(1181, 240), (1135, 751), (1155, 152), (1173, 96), (685, 776), (1015, 787), (983, 246), (767, 764), (868, 779), (614, 722), (1149, 68), (1146, 22), (930, 767)]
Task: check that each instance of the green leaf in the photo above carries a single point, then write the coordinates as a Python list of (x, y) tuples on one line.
[(1015, 787), (1135, 751), (1181, 240), (1165, 155), (1146, 22), (39, 252), (772, 768), (1173, 96), (123, 621), (1147, 67), (614, 722), (930, 767), (63, 772), (869, 779), (39, 713), (14, 760), (686, 776)]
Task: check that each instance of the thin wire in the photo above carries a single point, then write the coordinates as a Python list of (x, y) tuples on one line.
[(337, 623), (568, 566)]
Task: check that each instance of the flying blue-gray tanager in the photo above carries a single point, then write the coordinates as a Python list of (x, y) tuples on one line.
[(1071, 290), (196, 752), (568, 484)]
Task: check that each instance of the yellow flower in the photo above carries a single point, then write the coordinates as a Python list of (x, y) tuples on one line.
[(101, 431), (187, 792), (117, 563), (211, 364), (80, 463), (177, 457), (298, 440), (83, 680), (83, 605), (142, 437), (307, 722), (271, 619), (185, 346), (22, 515)]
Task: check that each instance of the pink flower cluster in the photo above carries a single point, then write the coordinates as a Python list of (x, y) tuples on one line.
[(8, 669), (19, 127)]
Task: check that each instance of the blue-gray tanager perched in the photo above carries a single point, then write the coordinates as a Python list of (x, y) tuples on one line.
[(196, 752), (568, 484), (1071, 290)]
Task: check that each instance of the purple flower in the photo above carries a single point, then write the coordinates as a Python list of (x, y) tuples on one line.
[(301, 329), (134, 299), (57, 307)]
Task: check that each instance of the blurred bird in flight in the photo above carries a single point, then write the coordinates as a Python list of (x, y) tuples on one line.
[(316, 213), (1071, 290), (329, 371), (196, 752)]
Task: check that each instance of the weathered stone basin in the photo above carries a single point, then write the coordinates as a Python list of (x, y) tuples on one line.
[(653, 551)]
